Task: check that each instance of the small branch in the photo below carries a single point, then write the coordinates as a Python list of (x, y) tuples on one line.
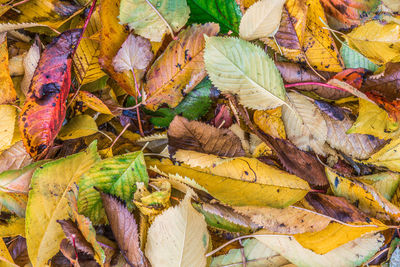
[(162, 18), (120, 134), (314, 83), (137, 107)]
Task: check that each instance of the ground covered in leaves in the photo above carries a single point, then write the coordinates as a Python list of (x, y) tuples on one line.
[(199, 133)]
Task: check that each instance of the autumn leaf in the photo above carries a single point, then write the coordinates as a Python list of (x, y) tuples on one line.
[(44, 108), (7, 126), (14, 157), (180, 68), (8, 93), (30, 63)]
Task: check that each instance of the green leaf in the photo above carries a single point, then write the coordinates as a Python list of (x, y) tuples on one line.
[(224, 12), (117, 176), (48, 202), (353, 59), (142, 17), (193, 106), (239, 67)]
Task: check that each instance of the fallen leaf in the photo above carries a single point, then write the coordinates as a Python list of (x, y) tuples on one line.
[(47, 203), (5, 256), (146, 20), (226, 13), (14, 157), (75, 237), (254, 251), (353, 253), (31, 61), (261, 20), (388, 156), (235, 71), (92, 102), (8, 94), (377, 41), (270, 122), (197, 136), (7, 120), (14, 226), (117, 175), (385, 183), (135, 53), (178, 237), (392, 4), (353, 59), (363, 196), (304, 124), (180, 68), (44, 109), (79, 126)]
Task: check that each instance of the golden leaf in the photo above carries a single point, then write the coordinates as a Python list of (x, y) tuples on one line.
[(270, 122), (7, 91), (7, 123)]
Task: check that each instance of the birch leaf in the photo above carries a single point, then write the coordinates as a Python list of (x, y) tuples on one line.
[(178, 237), (238, 67), (261, 20), (145, 19), (135, 53)]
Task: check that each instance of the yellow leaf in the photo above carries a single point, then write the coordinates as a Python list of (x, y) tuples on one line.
[(92, 102), (180, 68), (374, 121), (7, 123), (112, 35), (379, 42), (48, 203), (388, 156), (79, 126), (14, 226), (363, 196), (250, 182), (30, 63), (5, 258), (385, 183), (270, 122), (178, 237), (7, 91), (86, 59), (52, 13), (261, 19), (394, 5), (336, 234), (197, 159)]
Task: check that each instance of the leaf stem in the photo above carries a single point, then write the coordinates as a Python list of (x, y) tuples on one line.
[(314, 83), (162, 18), (137, 107)]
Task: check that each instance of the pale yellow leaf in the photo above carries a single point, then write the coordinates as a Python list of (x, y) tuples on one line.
[(388, 156), (79, 126), (178, 237), (261, 20), (7, 122), (7, 91), (30, 63), (14, 157)]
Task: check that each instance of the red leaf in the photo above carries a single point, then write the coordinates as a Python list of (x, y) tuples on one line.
[(391, 107), (354, 77), (44, 109)]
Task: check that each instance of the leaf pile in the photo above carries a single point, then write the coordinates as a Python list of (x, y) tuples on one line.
[(199, 133)]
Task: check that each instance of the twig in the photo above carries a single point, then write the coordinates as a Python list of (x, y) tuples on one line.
[(137, 107), (120, 134), (243, 255)]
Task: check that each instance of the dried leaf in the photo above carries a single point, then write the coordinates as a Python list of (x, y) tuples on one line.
[(7, 122), (31, 61), (178, 237), (135, 53), (79, 126), (388, 156), (353, 59), (261, 19), (92, 102), (197, 136), (234, 66), (304, 124), (146, 20), (124, 228), (180, 68), (75, 237), (14, 157), (385, 183), (270, 122), (5, 256)]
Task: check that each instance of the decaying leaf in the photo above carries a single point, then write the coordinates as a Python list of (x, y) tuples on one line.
[(7, 91), (270, 122), (178, 237), (14, 157), (30, 63), (180, 68), (193, 135), (7, 122), (125, 230), (75, 237), (388, 156)]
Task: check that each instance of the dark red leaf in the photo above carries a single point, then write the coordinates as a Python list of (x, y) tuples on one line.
[(44, 109)]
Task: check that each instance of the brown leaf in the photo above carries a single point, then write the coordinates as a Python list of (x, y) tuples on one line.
[(75, 236), (125, 230), (15, 157), (295, 73), (336, 207), (18, 251), (387, 83), (180, 68), (201, 137)]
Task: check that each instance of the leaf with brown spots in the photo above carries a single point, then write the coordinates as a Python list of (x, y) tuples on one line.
[(180, 68), (44, 109), (7, 91), (201, 137)]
